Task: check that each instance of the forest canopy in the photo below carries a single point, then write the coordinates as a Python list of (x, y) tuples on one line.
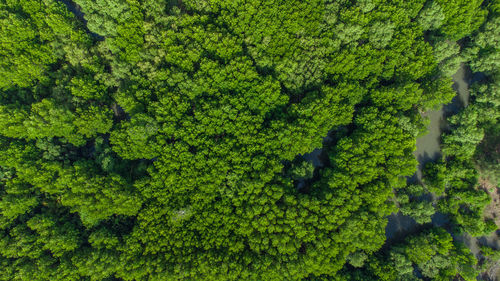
[(168, 139)]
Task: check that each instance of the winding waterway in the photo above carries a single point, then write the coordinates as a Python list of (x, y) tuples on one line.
[(428, 149)]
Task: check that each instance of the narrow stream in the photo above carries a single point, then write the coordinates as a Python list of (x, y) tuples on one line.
[(77, 11)]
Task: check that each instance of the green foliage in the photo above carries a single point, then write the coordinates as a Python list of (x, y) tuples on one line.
[(462, 17), (103, 16), (93, 120), (432, 16), (484, 50), (412, 204), (483, 55), (490, 258), (31, 40), (48, 120), (18, 198), (381, 34), (435, 177), (465, 137), (456, 182), (456, 177), (433, 254), (447, 54), (301, 170), (357, 259), (86, 88), (488, 158), (161, 140), (136, 138)]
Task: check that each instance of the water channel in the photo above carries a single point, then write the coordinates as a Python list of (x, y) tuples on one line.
[(428, 149)]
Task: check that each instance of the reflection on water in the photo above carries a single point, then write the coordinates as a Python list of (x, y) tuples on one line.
[(491, 241), (428, 146), (316, 157), (428, 149)]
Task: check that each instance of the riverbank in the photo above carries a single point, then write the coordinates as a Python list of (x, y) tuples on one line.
[(428, 150)]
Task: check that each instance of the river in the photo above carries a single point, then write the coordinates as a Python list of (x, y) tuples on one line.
[(428, 149)]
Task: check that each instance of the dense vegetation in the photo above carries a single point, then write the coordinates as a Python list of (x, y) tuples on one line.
[(432, 253), (165, 140), (469, 146)]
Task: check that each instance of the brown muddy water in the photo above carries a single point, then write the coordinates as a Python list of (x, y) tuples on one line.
[(428, 149)]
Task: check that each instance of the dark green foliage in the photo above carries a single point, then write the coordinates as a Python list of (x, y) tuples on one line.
[(104, 16), (456, 182), (461, 17), (456, 176), (411, 203), (301, 169), (484, 57), (488, 157), (429, 255), (161, 140), (32, 41), (489, 261)]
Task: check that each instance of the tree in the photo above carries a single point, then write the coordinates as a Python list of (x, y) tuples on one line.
[(162, 140), (412, 204), (432, 16), (432, 252), (104, 16)]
